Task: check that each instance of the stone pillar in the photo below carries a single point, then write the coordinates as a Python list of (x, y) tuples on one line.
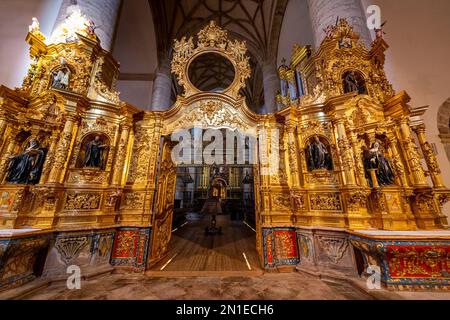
[(61, 155), (326, 12), (271, 83), (121, 155), (104, 13), (162, 87), (430, 157)]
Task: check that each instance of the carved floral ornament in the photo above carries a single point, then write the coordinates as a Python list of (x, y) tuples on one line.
[(211, 114), (212, 39)]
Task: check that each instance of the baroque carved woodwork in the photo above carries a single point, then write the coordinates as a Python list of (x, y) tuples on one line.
[(137, 184)]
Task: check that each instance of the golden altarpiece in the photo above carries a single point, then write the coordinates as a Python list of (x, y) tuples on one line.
[(351, 157)]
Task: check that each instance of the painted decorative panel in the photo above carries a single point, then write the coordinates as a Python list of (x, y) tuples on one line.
[(280, 247), (131, 247)]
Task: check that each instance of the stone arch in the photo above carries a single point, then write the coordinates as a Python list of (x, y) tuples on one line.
[(444, 126)]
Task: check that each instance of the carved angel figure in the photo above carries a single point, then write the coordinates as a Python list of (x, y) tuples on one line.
[(329, 31), (184, 47), (35, 25)]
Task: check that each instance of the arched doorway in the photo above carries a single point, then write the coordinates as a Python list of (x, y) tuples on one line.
[(202, 117), (212, 215)]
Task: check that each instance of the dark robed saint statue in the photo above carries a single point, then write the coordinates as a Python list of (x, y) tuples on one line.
[(375, 160), (94, 153), (319, 156), (26, 168)]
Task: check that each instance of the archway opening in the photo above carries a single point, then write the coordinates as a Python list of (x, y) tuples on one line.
[(214, 218)]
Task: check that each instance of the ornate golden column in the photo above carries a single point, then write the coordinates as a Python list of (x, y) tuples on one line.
[(345, 153), (430, 157), (9, 152), (412, 154), (121, 154), (397, 161), (50, 157), (293, 154), (3, 125), (359, 166), (61, 155)]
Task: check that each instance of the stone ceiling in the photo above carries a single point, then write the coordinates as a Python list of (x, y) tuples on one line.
[(258, 22)]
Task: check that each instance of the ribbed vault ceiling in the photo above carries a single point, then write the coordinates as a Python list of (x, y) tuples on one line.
[(258, 22)]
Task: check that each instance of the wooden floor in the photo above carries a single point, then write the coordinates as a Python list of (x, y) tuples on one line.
[(193, 251)]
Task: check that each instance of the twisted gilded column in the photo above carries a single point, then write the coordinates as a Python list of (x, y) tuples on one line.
[(326, 12), (346, 153), (121, 155), (162, 87), (50, 157), (359, 166), (104, 13), (413, 156), (397, 161), (62, 151), (11, 145), (430, 157), (293, 154), (3, 124)]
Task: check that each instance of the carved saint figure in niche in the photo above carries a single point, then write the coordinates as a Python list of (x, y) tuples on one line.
[(94, 153), (26, 168), (354, 82), (319, 157), (345, 42), (375, 160), (61, 79)]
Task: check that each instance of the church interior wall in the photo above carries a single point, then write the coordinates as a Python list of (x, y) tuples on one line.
[(296, 28), (135, 49)]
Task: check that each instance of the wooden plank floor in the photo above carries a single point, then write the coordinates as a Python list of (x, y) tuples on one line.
[(192, 250)]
